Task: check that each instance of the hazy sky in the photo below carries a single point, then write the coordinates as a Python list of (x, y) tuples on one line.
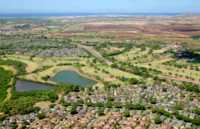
[(92, 6)]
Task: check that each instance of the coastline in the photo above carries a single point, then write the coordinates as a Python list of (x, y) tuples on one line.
[(79, 15)]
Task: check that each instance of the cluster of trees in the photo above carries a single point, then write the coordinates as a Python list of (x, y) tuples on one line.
[(21, 67), (109, 86), (100, 111), (161, 111), (196, 111), (43, 68), (102, 105), (195, 121), (196, 37), (131, 81), (185, 66), (191, 87), (69, 88), (175, 64), (21, 105), (5, 78), (152, 100), (126, 46), (135, 106), (141, 71), (22, 102), (115, 53), (155, 45)]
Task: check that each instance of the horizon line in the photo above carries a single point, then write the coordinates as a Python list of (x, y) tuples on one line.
[(87, 14)]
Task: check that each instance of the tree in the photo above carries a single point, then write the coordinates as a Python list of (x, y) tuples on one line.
[(157, 119), (133, 81), (126, 113), (100, 111), (41, 115)]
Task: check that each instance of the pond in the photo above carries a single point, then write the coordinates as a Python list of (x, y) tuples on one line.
[(72, 77), (22, 86)]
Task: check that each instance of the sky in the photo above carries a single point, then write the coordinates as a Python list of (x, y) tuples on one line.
[(100, 6)]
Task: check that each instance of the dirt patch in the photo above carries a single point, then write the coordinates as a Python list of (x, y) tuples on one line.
[(43, 104), (64, 34), (109, 27)]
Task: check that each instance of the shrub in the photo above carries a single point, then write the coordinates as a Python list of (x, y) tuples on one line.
[(3, 117), (69, 88), (152, 100), (126, 113), (178, 106), (41, 115), (14, 125), (99, 104), (109, 86), (73, 109), (100, 111), (117, 105), (161, 111), (195, 121), (196, 111), (157, 119), (45, 78), (137, 106), (133, 81), (109, 104), (191, 87)]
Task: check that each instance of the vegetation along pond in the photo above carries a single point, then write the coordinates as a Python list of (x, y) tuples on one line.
[(22, 86), (72, 77)]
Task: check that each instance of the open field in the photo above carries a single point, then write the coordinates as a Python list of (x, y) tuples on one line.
[(146, 69)]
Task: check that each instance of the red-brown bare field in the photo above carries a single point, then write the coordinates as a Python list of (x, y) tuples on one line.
[(177, 28)]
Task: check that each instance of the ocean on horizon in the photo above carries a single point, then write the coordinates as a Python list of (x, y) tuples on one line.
[(25, 15)]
